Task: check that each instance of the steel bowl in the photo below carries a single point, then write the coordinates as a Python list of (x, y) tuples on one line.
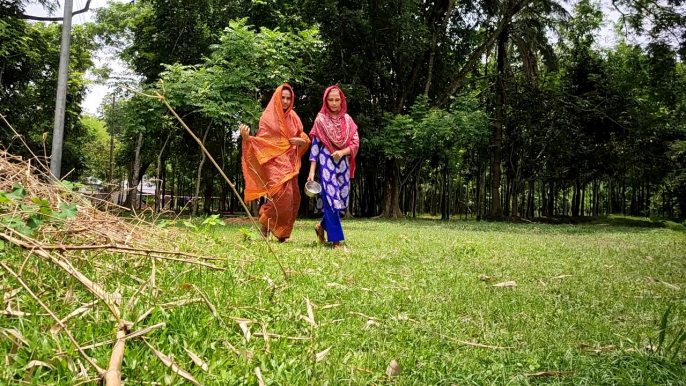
[(312, 188)]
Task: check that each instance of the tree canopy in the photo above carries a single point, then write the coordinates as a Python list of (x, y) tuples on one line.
[(494, 108)]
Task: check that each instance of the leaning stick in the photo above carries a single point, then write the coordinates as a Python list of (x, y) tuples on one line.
[(88, 359), (233, 187)]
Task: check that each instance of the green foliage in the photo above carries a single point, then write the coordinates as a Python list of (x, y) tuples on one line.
[(243, 64), (27, 218), (97, 147), (29, 58), (663, 346), (213, 221)]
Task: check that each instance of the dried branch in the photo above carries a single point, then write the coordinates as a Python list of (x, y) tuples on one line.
[(85, 9), (113, 375)]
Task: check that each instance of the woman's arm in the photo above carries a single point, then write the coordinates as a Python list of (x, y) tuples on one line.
[(313, 166)]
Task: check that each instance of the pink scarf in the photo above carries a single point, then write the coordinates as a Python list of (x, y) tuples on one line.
[(337, 133)]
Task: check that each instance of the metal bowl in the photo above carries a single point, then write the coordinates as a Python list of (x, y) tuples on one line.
[(312, 188)]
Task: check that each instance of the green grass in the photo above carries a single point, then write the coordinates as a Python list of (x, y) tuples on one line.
[(419, 280)]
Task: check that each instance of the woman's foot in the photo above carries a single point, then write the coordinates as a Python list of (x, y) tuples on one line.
[(282, 239), (264, 231), (320, 233), (336, 245)]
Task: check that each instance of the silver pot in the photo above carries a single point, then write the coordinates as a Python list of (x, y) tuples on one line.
[(312, 188)]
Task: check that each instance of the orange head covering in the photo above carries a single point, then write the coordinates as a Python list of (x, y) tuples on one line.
[(269, 160)]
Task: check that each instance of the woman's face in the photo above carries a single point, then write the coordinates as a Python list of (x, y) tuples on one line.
[(333, 101), (286, 98)]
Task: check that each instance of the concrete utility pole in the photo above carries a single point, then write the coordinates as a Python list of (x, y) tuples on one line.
[(63, 77)]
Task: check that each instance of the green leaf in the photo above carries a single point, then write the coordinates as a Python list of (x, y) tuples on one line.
[(34, 222), (18, 192), (189, 224), (67, 211), (28, 208)]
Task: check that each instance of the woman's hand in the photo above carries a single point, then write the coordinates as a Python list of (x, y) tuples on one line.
[(245, 132), (310, 177), (297, 141), (337, 155)]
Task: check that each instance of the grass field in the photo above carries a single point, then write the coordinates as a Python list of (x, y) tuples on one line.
[(587, 309)]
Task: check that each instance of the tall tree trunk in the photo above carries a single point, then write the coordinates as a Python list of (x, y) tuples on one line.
[(391, 200), (515, 198), (551, 199), (583, 200), (135, 178), (158, 175), (438, 31), (496, 208), (195, 197), (624, 196)]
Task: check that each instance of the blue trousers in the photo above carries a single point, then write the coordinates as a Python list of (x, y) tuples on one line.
[(331, 222)]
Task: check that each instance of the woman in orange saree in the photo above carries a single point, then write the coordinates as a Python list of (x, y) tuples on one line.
[(271, 163)]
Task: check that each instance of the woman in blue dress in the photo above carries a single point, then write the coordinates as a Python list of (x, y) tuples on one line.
[(334, 146)]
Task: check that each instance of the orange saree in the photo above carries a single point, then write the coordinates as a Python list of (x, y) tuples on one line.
[(271, 165)]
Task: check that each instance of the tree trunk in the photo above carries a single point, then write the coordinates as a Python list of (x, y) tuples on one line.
[(158, 174), (551, 199), (515, 198), (391, 200), (135, 178), (195, 197), (496, 208)]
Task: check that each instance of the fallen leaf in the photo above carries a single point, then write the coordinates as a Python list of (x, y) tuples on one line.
[(246, 330), (487, 278), (211, 306), (10, 294), (336, 285), (597, 350), (608, 266), (321, 355), (79, 311), (326, 307), (10, 312), (310, 314), (370, 323), (258, 372), (562, 276), (16, 334), (197, 360), (170, 363), (35, 363), (506, 284), (478, 345), (393, 369), (362, 315), (69, 296), (549, 374), (652, 280)]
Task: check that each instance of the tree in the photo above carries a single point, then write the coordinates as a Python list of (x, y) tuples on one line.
[(29, 54)]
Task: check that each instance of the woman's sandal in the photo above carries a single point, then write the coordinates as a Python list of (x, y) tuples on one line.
[(336, 245), (320, 233)]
